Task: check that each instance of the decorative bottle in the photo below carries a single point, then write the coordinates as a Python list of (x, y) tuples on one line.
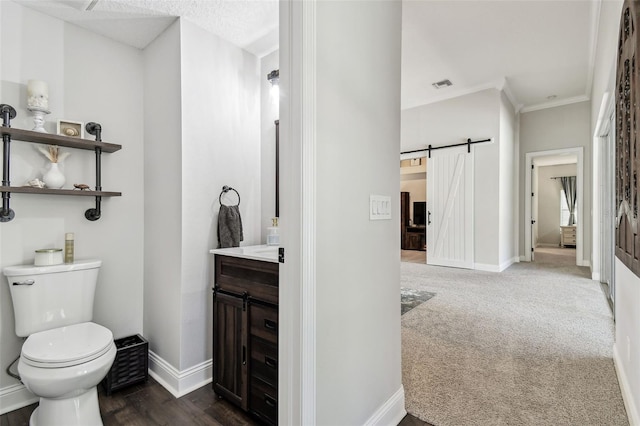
[(273, 236), (68, 247)]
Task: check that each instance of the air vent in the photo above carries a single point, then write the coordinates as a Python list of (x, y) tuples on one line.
[(82, 5), (442, 83), (91, 5)]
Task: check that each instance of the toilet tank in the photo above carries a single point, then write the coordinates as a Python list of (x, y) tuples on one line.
[(46, 297)]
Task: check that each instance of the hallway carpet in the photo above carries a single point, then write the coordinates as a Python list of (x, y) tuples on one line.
[(529, 346)]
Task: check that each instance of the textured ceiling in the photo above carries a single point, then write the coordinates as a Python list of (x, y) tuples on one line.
[(249, 24)]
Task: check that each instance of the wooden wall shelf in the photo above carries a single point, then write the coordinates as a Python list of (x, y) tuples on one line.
[(49, 139), (49, 191), (10, 134)]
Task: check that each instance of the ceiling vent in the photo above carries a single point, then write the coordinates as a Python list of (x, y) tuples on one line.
[(91, 5), (82, 5), (442, 83)]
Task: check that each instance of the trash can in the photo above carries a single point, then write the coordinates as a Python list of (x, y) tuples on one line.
[(131, 365)]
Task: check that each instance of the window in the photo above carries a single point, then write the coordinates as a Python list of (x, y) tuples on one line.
[(564, 210)]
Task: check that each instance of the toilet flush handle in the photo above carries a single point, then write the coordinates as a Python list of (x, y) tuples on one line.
[(27, 282)]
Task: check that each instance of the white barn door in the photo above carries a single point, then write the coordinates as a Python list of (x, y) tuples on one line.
[(450, 208)]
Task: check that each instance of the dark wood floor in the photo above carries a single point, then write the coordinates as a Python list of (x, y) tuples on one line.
[(151, 404)]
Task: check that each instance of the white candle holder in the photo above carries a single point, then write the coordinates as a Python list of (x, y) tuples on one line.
[(38, 118)]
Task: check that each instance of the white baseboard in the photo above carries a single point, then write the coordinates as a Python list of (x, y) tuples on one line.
[(14, 397), (627, 396), (486, 267), (506, 264), (179, 383), (391, 412), (583, 262), (595, 276), (522, 258)]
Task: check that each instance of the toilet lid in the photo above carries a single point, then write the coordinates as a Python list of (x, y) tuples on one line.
[(67, 346)]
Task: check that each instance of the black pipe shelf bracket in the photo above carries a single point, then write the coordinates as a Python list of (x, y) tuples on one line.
[(8, 113), (98, 146)]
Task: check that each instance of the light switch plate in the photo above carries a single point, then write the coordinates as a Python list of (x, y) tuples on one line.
[(379, 207)]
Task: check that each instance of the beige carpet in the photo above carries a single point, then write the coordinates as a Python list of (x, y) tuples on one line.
[(529, 346)]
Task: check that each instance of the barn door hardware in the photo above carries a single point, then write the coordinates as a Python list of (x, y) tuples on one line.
[(430, 148)]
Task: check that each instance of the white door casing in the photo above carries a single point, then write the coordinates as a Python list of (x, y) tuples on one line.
[(528, 207), (450, 208)]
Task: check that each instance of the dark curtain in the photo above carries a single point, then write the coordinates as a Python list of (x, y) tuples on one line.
[(569, 185)]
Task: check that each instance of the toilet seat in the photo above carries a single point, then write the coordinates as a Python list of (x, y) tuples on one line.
[(67, 346)]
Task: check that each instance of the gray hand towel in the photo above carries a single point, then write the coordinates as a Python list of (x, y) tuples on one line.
[(229, 226)]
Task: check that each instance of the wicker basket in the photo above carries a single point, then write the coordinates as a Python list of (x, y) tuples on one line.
[(131, 364)]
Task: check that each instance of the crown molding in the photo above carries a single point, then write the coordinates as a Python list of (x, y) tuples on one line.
[(506, 88), (555, 103), (452, 94)]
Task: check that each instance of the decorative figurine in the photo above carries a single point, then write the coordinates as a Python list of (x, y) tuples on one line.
[(80, 186), (35, 183)]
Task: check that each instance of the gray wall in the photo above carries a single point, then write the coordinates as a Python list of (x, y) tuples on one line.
[(107, 89), (548, 217), (556, 128), (508, 187), (358, 111)]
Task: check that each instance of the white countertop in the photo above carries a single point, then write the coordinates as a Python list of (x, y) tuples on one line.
[(263, 252)]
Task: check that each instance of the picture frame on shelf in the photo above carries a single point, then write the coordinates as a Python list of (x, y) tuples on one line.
[(72, 129)]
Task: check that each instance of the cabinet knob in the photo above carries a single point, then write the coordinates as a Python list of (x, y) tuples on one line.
[(270, 325), (270, 362)]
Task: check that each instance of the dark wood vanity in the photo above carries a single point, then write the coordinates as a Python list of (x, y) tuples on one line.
[(245, 334)]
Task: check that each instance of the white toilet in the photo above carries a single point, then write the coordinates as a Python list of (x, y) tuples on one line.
[(65, 355)]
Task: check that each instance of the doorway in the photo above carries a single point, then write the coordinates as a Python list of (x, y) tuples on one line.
[(604, 220), (535, 183), (413, 198)]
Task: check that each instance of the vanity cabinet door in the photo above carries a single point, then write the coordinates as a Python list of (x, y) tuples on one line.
[(230, 350)]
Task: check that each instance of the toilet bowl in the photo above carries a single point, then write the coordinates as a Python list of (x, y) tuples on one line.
[(65, 354), (63, 367)]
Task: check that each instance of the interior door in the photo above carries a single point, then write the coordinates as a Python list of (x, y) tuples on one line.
[(450, 208), (534, 211)]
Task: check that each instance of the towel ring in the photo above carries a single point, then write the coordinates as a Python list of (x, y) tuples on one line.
[(226, 189)]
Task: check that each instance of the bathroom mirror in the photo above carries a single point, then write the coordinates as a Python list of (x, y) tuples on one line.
[(277, 122)]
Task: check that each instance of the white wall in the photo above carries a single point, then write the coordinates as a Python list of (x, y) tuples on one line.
[(162, 195), (475, 116), (220, 146), (83, 86), (549, 202), (627, 284), (203, 132), (269, 112), (556, 128), (627, 346), (357, 110)]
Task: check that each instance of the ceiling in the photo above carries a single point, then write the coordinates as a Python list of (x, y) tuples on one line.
[(535, 50), (541, 53), (249, 24)]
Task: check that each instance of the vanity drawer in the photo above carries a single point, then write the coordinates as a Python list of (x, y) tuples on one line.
[(264, 361), (264, 401), (264, 322), (258, 279)]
